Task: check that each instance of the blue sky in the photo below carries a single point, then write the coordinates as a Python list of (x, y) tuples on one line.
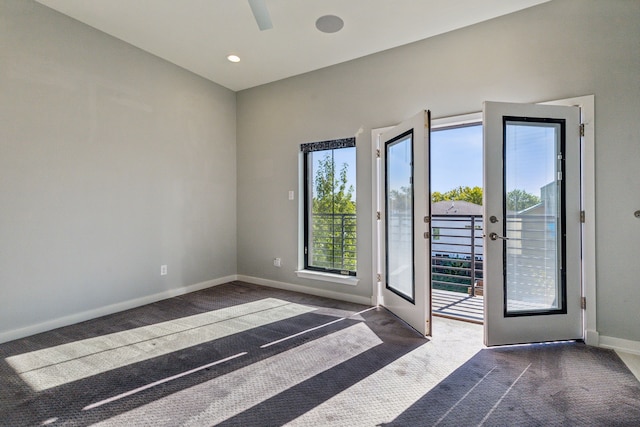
[(399, 157), (464, 145), (456, 158), (532, 156)]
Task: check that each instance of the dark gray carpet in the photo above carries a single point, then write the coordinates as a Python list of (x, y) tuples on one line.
[(244, 355), (359, 357), (558, 384)]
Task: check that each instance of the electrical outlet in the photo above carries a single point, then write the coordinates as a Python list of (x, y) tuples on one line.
[(163, 270), (291, 195), (277, 262)]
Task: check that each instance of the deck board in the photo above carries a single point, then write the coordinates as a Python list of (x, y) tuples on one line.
[(458, 306)]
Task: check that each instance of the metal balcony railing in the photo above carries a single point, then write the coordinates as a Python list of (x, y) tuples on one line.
[(532, 259), (333, 242), (457, 253)]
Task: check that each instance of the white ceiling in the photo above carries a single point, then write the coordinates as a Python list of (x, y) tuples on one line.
[(199, 34)]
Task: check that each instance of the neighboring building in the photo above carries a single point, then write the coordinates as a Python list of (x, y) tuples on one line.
[(533, 268), (452, 224)]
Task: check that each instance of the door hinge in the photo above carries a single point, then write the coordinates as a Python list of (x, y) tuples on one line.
[(583, 303), (378, 215), (426, 234), (427, 219), (581, 129), (379, 277), (582, 217), (559, 175), (305, 250), (378, 153)]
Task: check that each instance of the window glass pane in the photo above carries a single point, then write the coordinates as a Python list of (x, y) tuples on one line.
[(399, 216), (532, 189), (331, 210)]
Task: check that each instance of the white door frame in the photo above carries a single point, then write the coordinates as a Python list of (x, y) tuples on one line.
[(376, 232), (588, 232), (587, 111)]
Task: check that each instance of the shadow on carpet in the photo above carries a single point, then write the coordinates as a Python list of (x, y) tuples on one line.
[(236, 354), (568, 384)]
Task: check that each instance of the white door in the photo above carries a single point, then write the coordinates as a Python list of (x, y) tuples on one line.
[(532, 223), (404, 225)]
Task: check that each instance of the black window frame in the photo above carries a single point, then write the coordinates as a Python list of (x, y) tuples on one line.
[(306, 150), (562, 309), (411, 298)]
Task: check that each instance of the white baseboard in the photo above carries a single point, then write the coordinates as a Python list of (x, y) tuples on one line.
[(620, 344), (306, 290), (109, 309)]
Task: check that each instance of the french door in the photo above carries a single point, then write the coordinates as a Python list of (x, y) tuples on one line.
[(404, 221), (532, 262)]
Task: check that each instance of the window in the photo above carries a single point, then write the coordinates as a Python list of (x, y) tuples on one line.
[(330, 206)]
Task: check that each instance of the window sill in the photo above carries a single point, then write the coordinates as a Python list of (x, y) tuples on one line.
[(328, 277)]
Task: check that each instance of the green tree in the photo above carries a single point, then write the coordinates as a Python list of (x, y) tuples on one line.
[(331, 193), (333, 217), (518, 200), (468, 194)]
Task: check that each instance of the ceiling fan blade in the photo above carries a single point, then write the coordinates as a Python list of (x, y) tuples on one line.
[(261, 13)]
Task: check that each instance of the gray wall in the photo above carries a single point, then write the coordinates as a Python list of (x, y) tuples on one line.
[(112, 162), (557, 50)]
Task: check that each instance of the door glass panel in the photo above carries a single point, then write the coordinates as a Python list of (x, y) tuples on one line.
[(534, 282), (399, 212)]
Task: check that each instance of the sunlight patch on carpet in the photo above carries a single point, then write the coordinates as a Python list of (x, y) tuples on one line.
[(221, 398), (62, 364), (401, 383)]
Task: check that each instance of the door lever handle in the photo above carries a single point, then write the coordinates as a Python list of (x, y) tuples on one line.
[(494, 236)]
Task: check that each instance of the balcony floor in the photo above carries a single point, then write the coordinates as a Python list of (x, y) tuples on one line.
[(456, 305)]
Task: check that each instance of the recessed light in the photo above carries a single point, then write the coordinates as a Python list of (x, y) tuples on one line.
[(233, 58), (329, 24)]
